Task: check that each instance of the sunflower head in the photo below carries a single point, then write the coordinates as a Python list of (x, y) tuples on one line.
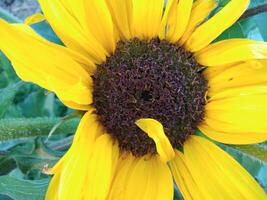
[(149, 79), (148, 76)]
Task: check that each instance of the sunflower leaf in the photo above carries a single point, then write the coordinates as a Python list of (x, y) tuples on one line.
[(7, 96), (259, 151), (45, 30), (251, 26), (19, 189), (7, 70)]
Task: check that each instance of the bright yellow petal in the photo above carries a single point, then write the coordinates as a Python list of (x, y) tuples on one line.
[(167, 18), (216, 174), (35, 18), (231, 51), (239, 91), (154, 130), (89, 129), (240, 111), (86, 63), (183, 12), (101, 168), (45, 64), (76, 106), (183, 178), (77, 9), (200, 11), (147, 18), (123, 172), (121, 11), (73, 167), (142, 179), (99, 22), (238, 75), (52, 191), (231, 138), (234, 116), (71, 31), (211, 29)]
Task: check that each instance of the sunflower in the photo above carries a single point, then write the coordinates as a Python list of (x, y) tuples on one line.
[(148, 76)]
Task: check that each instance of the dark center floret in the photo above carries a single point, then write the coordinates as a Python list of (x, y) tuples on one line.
[(152, 79)]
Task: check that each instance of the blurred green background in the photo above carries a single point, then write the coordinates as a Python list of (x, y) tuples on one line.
[(28, 114)]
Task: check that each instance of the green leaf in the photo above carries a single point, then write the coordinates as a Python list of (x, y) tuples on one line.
[(7, 96), (45, 30), (4, 197), (257, 151), (19, 189), (4, 146), (6, 165), (252, 28), (33, 104), (55, 148), (8, 70), (255, 3)]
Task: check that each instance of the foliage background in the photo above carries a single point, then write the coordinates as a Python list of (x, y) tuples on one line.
[(28, 114)]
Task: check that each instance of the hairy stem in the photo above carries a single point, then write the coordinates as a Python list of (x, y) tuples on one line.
[(31, 127)]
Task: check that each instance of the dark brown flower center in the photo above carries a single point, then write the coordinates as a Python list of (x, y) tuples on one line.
[(152, 79)]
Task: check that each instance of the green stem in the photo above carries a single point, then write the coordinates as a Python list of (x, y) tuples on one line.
[(31, 127), (8, 16), (254, 11)]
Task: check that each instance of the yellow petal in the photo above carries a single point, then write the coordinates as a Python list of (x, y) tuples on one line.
[(238, 75), (73, 167), (175, 19), (78, 92), (168, 16), (123, 172), (181, 15), (73, 34), (45, 64), (239, 118), (101, 168), (232, 138), (200, 11), (183, 178), (147, 18), (154, 129), (86, 63), (99, 22), (33, 19), (219, 176), (89, 129), (211, 29), (77, 9), (231, 51), (239, 91), (211, 72), (142, 179), (121, 11), (76, 106), (52, 191), (240, 111)]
